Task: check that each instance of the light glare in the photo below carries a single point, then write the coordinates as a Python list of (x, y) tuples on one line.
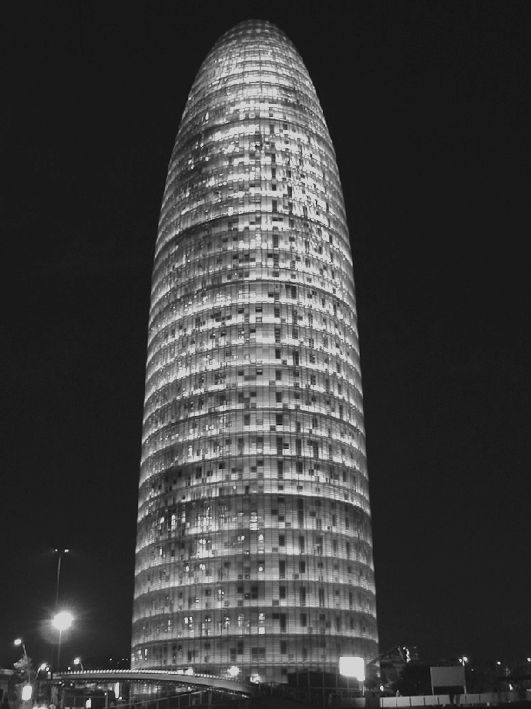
[(63, 620), (352, 667)]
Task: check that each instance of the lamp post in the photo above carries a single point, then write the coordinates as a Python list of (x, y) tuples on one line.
[(18, 642), (27, 689), (25, 661), (43, 667), (463, 660), (61, 621), (77, 661), (60, 553)]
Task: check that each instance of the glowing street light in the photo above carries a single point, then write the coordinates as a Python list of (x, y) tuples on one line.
[(233, 671), (77, 661), (24, 664), (18, 642), (61, 621)]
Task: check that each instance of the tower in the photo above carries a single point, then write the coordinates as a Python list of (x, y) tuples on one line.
[(254, 544)]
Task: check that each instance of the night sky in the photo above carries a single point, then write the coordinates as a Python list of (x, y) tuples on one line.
[(428, 107)]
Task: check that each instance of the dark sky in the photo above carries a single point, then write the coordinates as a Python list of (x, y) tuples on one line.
[(428, 107)]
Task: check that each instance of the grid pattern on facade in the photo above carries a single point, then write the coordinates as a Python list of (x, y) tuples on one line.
[(254, 544)]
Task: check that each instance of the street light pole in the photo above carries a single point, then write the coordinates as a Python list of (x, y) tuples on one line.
[(60, 553), (27, 689), (19, 642), (62, 621)]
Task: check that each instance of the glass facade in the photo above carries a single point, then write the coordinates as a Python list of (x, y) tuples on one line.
[(254, 544)]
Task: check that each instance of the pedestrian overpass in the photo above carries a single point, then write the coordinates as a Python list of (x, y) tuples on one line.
[(178, 677)]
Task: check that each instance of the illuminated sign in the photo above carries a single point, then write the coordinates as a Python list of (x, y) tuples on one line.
[(352, 667)]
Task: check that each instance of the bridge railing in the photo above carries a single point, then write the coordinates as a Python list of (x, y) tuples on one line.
[(160, 676), (203, 699)]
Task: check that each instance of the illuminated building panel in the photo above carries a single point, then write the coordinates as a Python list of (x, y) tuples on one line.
[(254, 544)]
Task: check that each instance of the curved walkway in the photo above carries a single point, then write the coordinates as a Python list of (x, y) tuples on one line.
[(208, 681)]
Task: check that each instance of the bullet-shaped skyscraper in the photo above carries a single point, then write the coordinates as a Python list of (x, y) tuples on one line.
[(254, 543)]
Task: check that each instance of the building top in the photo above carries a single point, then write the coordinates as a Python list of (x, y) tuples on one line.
[(261, 54)]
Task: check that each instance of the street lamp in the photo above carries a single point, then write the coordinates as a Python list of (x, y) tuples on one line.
[(61, 621), (77, 661), (60, 553), (18, 642), (25, 665)]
